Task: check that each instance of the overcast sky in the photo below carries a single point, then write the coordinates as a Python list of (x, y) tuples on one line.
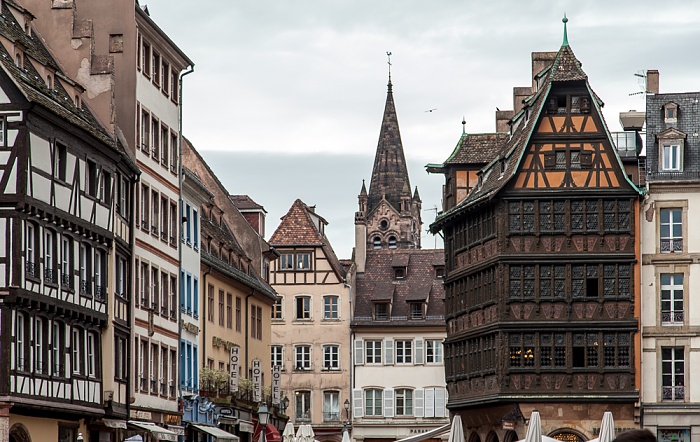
[(287, 96)]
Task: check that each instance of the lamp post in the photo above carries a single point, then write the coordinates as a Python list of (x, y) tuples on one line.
[(346, 404), (79, 438), (263, 417), (285, 404)]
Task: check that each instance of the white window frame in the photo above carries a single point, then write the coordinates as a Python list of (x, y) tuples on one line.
[(403, 402), (31, 258), (38, 345), (278, 309), (671, 295), (433, 351), (303, 398), (20, 358), (66, 266), (277, 356), (305, 313), (671, 239), (56, 349), (49, 247), (331, 357), (373, 352), (302, 357), (373, 402), (331, 406), (671, 157), (404, 351), (91, 355), (672, 379), (75, 350)]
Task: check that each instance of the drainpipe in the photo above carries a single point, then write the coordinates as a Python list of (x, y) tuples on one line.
[(179, 243), (247, 325), (204, 314)]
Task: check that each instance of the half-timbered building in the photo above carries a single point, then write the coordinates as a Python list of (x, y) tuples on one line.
[(311, 323), (542, 272), (62, 179)]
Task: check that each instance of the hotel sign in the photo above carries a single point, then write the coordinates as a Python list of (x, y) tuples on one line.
[(257, 380), (276, 380), (233, 375)]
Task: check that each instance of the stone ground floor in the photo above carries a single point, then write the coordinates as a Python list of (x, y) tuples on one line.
[(673, 422)]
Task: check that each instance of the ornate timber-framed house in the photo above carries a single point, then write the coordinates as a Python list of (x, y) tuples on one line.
[(62, 174), (542, 272)]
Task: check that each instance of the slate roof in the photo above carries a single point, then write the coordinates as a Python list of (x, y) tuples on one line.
[(565, 68), (297, 228), (418, 285), (477, 148), (34, 87), (390, 173)]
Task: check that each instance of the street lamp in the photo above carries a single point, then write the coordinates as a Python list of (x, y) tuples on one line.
[(285, 404), (263, 417), (346, 404), (80, 437)]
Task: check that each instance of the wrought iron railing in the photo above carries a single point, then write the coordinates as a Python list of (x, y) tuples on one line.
[(676, 393), (670, 317), (671, 245), (50, 276), (30, 268)]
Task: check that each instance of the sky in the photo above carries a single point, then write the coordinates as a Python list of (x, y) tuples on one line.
[(287, 96)]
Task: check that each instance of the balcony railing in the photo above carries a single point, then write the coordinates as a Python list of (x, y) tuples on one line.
[(331, 416), (672, 317), (30, 269), (66, 280), (50, 276), (671, 245), (676, 393)]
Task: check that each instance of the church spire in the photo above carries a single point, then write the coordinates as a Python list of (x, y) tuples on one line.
[(390, 173), (565, 42)]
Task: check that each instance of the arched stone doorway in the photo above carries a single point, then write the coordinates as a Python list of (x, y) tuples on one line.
[(510, 436), (568, 435), (19, 433), (474, 437), (492, 437)]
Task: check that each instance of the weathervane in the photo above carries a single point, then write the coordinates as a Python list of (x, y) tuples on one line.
[(388, 56)]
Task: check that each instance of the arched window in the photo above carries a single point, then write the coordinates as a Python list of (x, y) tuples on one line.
[(392, 242), (377, 243)]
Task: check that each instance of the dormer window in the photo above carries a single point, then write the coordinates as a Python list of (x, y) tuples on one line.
[(18, 60), (381, 311), (399, 273), (670, 113), (416, 310), (49, 82), (671, 157), (440, 272), (392, 242)]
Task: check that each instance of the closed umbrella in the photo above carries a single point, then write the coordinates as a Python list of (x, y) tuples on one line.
[(346, 436), (607, 429), (305, 433), (288, 433), (456, 430), (534, 429)]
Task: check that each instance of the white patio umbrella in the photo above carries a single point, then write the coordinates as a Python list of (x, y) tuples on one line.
[(456, 430), (346, 436), (305, 433), (288, 433), (534, 430), (607, 429)]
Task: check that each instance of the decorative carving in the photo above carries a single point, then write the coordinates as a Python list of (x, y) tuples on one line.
[(611, 310), (578, 242), (558, 244), (547, 244), (529, 242), (515, 308), (516, 243), (623, 242), (558, 310), (622, 308), (610, 242), (590, 310), (547, 311), (527, 310), (578, 310), (591, 243)]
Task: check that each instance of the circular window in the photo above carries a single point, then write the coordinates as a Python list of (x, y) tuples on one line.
[(384, 224)]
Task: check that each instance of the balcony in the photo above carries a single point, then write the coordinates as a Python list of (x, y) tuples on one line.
[(99, 293), (672, 317), (673, 393), (671, 245), (30, 269), (50, 276), (66, 280)]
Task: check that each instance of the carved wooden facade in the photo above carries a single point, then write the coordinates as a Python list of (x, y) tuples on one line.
[(542, 274)]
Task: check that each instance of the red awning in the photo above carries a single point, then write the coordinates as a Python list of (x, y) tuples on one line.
[(271, 433)]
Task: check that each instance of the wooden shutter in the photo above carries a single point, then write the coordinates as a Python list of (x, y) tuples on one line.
[(429, 402), (586, 160), (388, 402), (418, 395), (439, 402), (357, 405), (549, 160), (359, 352), (388, 351), (419, 355)]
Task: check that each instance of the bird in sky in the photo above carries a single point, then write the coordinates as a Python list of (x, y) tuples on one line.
[(430, 110)]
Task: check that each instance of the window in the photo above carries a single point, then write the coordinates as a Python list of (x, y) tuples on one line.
[(121, 351), (277, 308), (522, 281), (91, 178), (85, 268), (91, 355), (38, 345), (238, 314), (330, 357), (433, 351), (373, 352), (76, 350), (3, 132), (57, 351), (101, 274), (146, 59), (256, 322), (66, 261), (164, 211), (156, 68), (164, 293), (20, 342), (175, 95), (553, 350), (165, 75), (187, 231), (145, 130), (30, 250), (392, 242), (400, 273), (522, 350), (145, 206), (381, 311), (302, 405), (673, 373), (377, 243), (59, 162), (521, 217), (173, 223), (286, 261), (164, 148), (276, 356), (155, 215), (302, 357), (330, 307), (229, 310), (303, 307), (50, 274), (221, 308), (416, 310), (671, 158), (671, 230), (331, 406), (210, 303), (373, 402), (672, 298), (670, 112), (173, 148), (404, 402), (404, 351), (616, 350)]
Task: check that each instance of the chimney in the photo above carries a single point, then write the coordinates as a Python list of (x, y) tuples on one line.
[(502, 119), (653, 81), (540, 62), (519, 94)]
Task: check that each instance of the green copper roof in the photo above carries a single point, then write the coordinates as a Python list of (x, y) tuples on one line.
[(566, 39)]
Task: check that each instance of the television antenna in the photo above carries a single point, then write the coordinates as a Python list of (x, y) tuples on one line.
[(642, 81)]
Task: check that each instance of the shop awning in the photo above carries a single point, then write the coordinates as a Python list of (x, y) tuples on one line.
[(114, 423), (158, 433), (271, 433), (219, 434), (428, 434)]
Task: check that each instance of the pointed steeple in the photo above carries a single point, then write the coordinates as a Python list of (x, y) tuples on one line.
[(416, 197), (565, 42), (390, 172), (566, 67)]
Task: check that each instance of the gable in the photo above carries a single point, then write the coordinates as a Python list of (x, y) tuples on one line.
[(570, 146)]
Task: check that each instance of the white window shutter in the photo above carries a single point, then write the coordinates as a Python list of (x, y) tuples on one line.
[(388, 351), (439, 402), (357, 405), (429, 402), (359, 352), (447, 399), (388, 402), (418, 402), (419, 355)]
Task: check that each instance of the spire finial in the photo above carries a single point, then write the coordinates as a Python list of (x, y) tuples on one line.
[(388, 56), (464, 125), (566, 39)]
